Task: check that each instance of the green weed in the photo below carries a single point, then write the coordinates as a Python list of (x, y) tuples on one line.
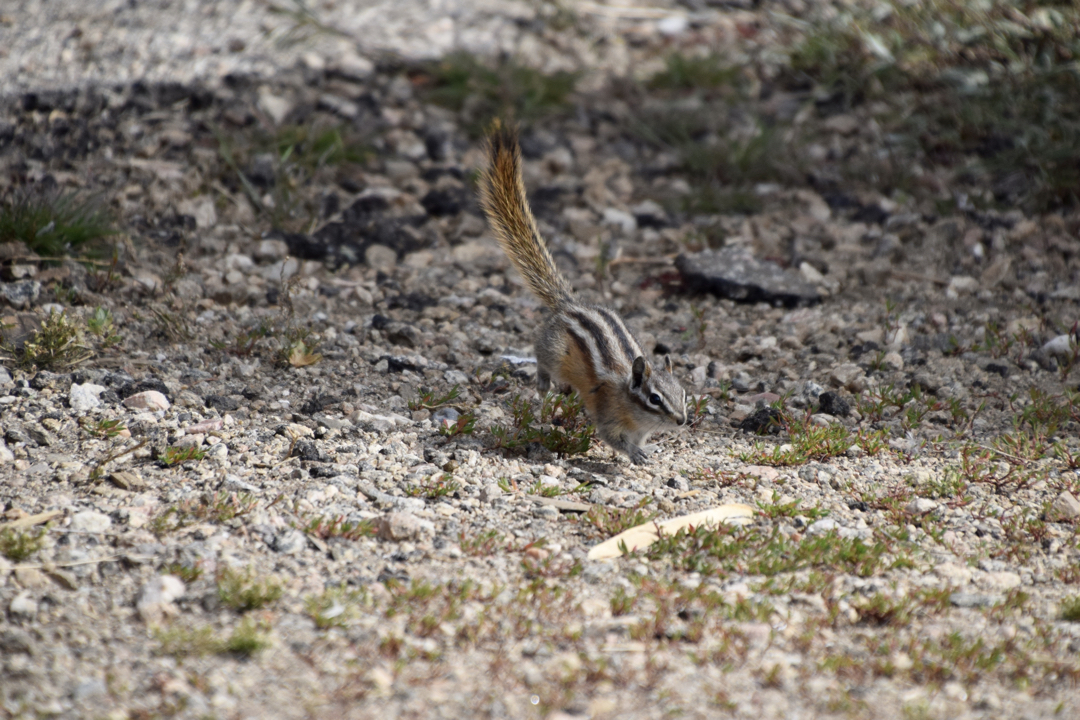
[(464, 84), (57, 345), (53, 225), (564, 428), (17, 545), (242, 590)]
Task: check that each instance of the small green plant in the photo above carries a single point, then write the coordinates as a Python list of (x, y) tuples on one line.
[(58, 344), (336, 606), (428, 400), (464, 84), (242, 590), (174, 456), (709, 72), (464, 425), (187, 573), (101, 324), (776, 509), (17, 545), (217, 507), (183, 643), (481, 545), (564, 428), (325, 528), (243, 343), (695, 410), (53, 225), (1070, 609), (611, 521), (104, 429), (247, 638), (434, 489), (808, 441)]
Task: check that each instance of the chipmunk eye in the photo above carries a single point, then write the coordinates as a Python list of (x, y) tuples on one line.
[(654, 399)]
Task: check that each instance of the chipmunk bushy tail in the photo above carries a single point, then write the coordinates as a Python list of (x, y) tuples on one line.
[(502, 195)]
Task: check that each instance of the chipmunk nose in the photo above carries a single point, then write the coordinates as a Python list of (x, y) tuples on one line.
[(682, 419)]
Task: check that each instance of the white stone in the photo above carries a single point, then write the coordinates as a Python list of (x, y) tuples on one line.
[(624, 220), (82, 398), (822, 526), (921, 506), (155, 601), (1060, 347), (149, 400), (353, 66), (961, 285), (276, 107), (271, 250), (24, 604), (90, 521)]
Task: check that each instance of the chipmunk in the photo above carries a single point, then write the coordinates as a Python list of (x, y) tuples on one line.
[(585, 347)]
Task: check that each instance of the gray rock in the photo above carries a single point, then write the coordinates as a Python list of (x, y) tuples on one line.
[(88, 689), (400, 526), (235, 484), (973, 600), (290, 542), (20, 294), (380, 257), (734, 273)]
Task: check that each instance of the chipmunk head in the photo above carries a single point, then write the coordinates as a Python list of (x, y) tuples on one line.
[(658, 392)]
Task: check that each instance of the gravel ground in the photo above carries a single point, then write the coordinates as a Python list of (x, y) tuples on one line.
[(249, 499)]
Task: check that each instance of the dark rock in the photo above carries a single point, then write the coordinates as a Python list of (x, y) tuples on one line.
[(832, 403), (763, 421), (997, 369), (449, 201), (403, 334), (317, 403), (734, 273), (221, 403), (308, 451), (45, 379), (870, 214)]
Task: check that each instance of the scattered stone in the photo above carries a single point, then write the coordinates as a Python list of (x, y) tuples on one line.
[(734, 273), (290, 541), (399, 526), (22, 294), (822, 526), (1065, 508), (1060, 347), (921, 506), (83, 398), (23, 605), (90, 521), (149, 400), (155, 602), (974, 600), (763, 421)]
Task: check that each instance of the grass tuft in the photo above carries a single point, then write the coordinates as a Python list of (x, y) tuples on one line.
[(53, 225)]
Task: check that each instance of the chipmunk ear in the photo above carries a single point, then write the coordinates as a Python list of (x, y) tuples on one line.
[(667, 364), (640, 372)]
